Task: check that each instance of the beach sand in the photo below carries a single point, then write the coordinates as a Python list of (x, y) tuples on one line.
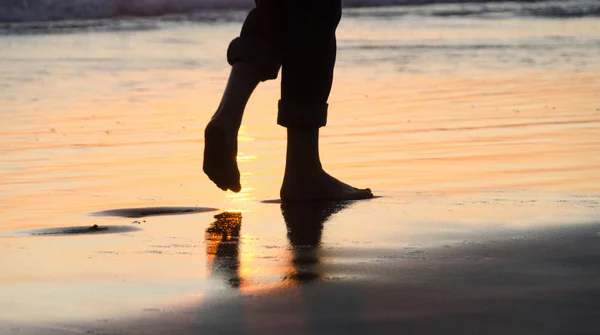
[(484, 152), (542, 281)]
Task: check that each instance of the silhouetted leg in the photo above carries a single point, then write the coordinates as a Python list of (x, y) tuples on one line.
[(309, 50), (255, 56)]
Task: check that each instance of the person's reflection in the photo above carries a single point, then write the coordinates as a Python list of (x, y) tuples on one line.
[(304, 223), (222, 247)]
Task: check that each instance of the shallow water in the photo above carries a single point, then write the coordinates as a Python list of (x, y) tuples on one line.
[(463, 126)]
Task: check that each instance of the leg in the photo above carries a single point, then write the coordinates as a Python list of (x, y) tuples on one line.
[(309, 52), (255, 56)]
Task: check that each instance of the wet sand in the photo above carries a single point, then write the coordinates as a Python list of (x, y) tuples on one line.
[(486, 161), (544, 281), (302, 268)]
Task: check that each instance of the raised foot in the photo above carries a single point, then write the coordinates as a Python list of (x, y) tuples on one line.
[(319, 186), (220, 157)]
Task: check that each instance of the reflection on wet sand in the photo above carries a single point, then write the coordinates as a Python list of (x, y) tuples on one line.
[(304, 223), (222, 247)]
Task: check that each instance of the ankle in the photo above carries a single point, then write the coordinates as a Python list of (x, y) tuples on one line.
[(303, 169), (303, 144), (227, 124), (298, 137), (302, 155), (243, 79)]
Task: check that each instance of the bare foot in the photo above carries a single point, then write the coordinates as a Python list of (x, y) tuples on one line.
[(220, 135), (220, 157), (305, 180), (318, 186)]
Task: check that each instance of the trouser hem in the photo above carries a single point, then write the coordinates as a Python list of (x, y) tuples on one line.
[(302, 118), (256, 52)]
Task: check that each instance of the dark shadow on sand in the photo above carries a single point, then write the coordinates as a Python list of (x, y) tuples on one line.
[(152, 211), (79, 230), (304, 222), (278, 201)]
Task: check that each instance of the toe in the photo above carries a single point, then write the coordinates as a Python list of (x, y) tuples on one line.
[(221, 186), (236, 188), (366, 193), (217, 180)]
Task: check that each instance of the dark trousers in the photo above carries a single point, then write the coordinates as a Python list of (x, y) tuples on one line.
[(299, 37)]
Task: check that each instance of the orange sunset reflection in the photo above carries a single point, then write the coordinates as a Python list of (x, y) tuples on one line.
[(236, 261)]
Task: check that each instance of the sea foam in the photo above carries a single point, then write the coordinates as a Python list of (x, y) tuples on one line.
[(51, 10)]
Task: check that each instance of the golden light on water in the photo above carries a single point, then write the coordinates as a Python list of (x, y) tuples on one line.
[(240, 202), (450, 150), (242, 158)]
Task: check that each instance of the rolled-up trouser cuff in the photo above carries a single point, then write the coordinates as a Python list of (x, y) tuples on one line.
[(303, 118), (265, 57)]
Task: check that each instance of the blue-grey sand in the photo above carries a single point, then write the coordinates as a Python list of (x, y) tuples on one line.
[(476, 125)]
